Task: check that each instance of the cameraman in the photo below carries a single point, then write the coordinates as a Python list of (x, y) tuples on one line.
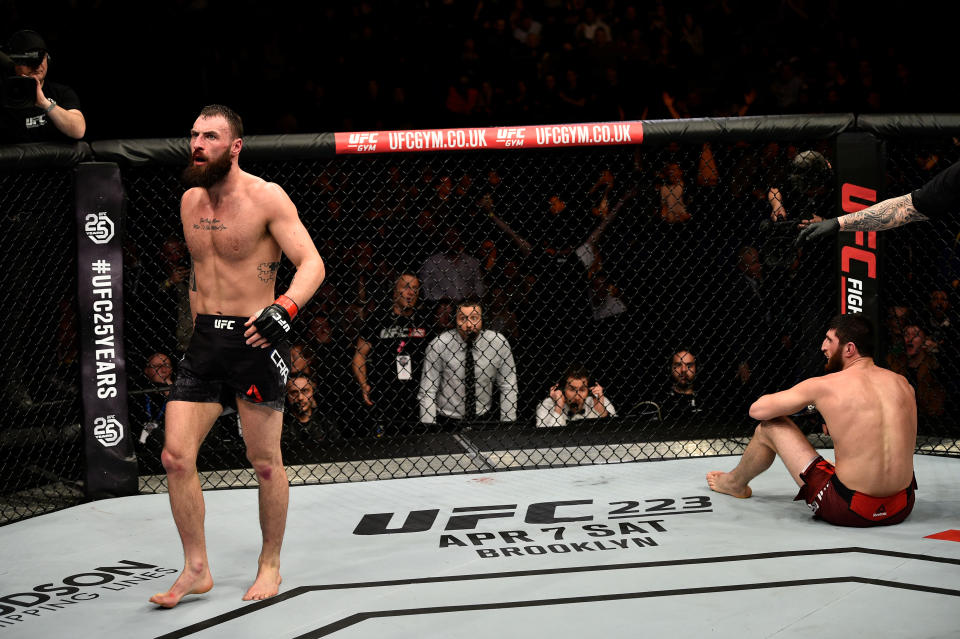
[(44, 112)]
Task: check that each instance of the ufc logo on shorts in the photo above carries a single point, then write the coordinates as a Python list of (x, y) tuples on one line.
[(281, 365), (107, 430), (226, 325)]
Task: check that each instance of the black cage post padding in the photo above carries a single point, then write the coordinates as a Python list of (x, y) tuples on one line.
[(611, 257), (111, 466)]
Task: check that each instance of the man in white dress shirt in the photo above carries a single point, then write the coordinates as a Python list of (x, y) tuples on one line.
[(460, 369), (575, 398)]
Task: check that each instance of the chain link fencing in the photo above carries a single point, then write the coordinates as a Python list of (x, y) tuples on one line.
[(920, 287), (629, 272), (41, 447)]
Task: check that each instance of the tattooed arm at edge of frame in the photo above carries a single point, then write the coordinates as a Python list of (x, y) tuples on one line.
[(884, 215)]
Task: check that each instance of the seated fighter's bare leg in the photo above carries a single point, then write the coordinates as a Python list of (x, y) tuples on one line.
[(772, 437), (186, 425), (261, 434)]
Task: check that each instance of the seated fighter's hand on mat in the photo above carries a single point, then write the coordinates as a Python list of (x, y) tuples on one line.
[(817, 229), (272, 323)]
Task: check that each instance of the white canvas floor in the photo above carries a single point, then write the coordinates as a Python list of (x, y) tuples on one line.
[(642, 549)]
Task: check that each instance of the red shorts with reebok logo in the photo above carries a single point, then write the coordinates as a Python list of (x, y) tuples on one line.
[(836, 504)]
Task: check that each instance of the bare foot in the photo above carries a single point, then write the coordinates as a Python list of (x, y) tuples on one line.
[(266, 585), (190, 582), (723, 483)]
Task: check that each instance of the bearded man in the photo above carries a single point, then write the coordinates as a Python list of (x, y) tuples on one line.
[(236, 227), (871, 415)]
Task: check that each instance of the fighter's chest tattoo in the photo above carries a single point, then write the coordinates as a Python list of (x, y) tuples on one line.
[(210, 224)]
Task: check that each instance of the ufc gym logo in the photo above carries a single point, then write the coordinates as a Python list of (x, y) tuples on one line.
[(511, 136), (281, 365), (226, 325), (107, 430), (362, 141), (98, 227)]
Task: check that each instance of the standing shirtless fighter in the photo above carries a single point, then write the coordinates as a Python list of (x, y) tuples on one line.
[(871, 414), (236, 225)]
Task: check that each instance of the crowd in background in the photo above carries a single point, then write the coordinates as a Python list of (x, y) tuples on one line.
[(296, 67)]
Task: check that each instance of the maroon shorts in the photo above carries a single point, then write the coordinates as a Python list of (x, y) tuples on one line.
[(836, 504)]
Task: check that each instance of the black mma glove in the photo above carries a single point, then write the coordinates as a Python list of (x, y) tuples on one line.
[(273, 322), (818, 229)]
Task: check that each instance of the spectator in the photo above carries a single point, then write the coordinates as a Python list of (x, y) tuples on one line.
[(159, 374), (325, 345), (673, 207), (574, 398), (451, 272), (175, 263), (301, 361), (460, 371), (48, 112), (679, 402), (942, 325), (444, 315), (389, 354), (920, 366), (941, 321), (305, 420)]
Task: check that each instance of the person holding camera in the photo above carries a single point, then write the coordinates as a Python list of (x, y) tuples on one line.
[(575, 397), (35, 109)]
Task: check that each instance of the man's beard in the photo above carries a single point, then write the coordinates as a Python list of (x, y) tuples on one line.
[(207, 175), (835, 363), (683, 383), (301, 408)]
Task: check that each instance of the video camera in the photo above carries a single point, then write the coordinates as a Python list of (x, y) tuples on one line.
[(26, 48)]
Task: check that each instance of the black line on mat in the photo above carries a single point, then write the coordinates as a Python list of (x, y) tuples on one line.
[(354, 619), (300, 590)]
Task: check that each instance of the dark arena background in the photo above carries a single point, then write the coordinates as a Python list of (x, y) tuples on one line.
[(611, 245)]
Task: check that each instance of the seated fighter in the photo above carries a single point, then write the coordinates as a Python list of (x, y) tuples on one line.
[(572, 399), (871, 414)]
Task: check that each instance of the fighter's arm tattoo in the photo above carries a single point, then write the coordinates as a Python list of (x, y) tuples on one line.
[(884, 215), (193, 278), (267, 271)]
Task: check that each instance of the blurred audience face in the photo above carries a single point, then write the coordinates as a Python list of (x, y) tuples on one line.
[(300, 360), (320, 330), (913, 339), (300, 395), (174, 253), (159, 370), (683, 369), (750, 263), (939, 303), (443, 315), (406, 292), (897, 318), (575, 392)]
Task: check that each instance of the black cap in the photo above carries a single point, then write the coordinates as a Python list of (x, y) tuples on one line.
[(26, 47)]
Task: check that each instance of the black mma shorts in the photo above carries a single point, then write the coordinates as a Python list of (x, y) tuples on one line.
[(219, 367)]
